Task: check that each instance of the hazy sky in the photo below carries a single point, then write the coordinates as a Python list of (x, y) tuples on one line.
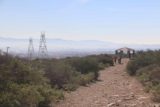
[(126, 21)]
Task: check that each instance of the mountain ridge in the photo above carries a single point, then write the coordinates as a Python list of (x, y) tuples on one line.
[(56, 44)]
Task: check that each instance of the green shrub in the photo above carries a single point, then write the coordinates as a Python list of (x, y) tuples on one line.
[(105, 60), (21, 85), (146, 66), (86, 79), (132, 67), (85, 65), (40, 83), (51, 96), (70, 86), (150, 74), (156, 93), (143, 59), (60, 74), (69, 73)]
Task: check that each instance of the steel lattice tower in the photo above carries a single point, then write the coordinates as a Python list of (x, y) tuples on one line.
[(30, 49), (43, 47)]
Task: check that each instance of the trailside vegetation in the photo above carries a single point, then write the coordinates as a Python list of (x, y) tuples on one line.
[(41, 83), (146, 66)]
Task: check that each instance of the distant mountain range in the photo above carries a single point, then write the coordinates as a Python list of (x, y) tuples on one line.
[(60, 46)]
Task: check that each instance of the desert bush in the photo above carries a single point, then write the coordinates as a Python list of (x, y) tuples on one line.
[(20, 85), (40, 83), (86, 79), (150, 73), (156, 93), (28, 96), (60, 74), (146, 66), (104, 59), (69, 73), (143, 59), (70, 86), (132, 67), (64, 76), (51, 96), (85, 65)]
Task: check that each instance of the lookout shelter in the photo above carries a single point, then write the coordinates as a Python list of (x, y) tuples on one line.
[(125, 51)]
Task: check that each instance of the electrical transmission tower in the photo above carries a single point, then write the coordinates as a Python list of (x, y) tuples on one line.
[(30, 49), (7, 52), (43, 47)]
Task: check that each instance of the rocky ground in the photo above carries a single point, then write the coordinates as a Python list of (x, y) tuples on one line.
[(115, 88)]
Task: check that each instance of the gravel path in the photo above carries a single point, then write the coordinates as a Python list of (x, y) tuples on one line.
[(115, 89)]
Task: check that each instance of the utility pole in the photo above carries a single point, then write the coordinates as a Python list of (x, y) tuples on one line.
[(30, 49), (43, 47), (7, 50)]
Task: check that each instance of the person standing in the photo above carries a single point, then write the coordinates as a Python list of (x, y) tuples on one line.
[(129, 54), (115, 59), (120, 60)]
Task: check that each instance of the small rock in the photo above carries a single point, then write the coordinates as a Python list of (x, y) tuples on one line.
[(142, 98), (115, 96), (111, 104), (105, 95), (132, 94), (156, 105), (130, 105), (119, 101), (128, 98)]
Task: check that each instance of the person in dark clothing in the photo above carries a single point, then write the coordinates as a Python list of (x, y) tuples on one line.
[(120, 60), (129, 54), (115, 59)]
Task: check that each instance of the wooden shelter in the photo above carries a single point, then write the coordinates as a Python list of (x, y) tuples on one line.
[(125, 51)]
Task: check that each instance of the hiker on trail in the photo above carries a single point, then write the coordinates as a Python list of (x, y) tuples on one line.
[(120, 60), (129, 54), (115, 59)]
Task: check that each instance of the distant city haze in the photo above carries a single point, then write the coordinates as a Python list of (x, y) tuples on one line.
[(61, 47), (115, 21)]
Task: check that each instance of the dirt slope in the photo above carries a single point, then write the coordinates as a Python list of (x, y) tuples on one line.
[(115, 89)]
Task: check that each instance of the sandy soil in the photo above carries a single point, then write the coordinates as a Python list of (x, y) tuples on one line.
[(115, 88)]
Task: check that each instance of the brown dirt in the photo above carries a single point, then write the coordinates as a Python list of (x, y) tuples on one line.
[(115, 89)]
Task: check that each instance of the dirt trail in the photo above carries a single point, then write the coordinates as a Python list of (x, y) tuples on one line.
[(115, 89)]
